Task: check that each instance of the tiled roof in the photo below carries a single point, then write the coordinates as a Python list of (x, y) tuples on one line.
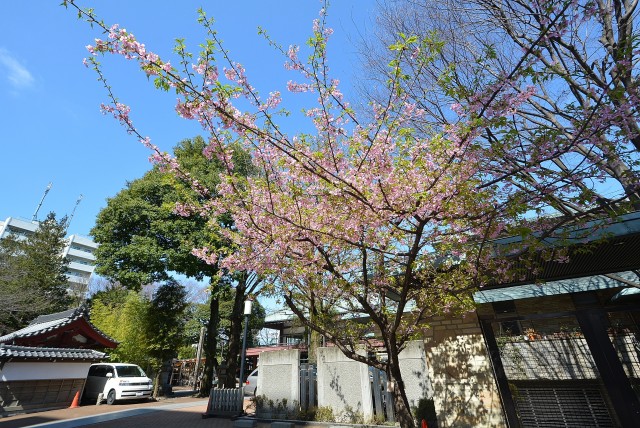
[(33, 353), (51, 322), (69, 313)]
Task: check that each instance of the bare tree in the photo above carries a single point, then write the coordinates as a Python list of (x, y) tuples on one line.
[(578, 58)]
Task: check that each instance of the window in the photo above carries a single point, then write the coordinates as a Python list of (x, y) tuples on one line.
[(98, 371), (130, 371)]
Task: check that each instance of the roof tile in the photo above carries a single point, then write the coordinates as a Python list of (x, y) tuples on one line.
[(31, 352)]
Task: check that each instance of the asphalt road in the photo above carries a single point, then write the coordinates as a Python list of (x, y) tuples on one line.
[(181, 411)]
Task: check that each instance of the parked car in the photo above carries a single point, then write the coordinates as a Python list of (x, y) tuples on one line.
[(116, 381), (251, 384)]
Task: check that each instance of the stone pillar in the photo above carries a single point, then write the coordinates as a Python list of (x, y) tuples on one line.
[(343, 385), (413, 366), (278, 376)]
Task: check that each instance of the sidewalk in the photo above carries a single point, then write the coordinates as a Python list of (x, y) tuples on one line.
[(185, 411)]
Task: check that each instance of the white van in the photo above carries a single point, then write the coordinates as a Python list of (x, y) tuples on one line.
[(117, 381)]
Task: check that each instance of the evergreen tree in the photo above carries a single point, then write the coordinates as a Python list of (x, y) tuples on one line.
[(165, 325), (44, 263), (32, 274), (142, 238)]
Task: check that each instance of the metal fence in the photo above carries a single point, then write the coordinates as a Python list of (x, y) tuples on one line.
[(382, 397), (308, 386), (225, 402)]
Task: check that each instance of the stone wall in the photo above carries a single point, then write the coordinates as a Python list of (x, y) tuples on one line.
[(464, 390)]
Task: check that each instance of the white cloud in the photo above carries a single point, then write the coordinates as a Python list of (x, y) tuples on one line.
[(17, 75)]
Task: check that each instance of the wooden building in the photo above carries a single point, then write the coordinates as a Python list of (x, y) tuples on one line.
[(45, 364)]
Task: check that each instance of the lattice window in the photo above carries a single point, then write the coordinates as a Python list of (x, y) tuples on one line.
[(546, 406)]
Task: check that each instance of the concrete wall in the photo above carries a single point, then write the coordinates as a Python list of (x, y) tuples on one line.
[(451, 366), (343, 385), (464, 390), (278, 376)]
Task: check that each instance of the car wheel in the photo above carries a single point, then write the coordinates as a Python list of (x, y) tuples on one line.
[(255, 391), (111, 397)]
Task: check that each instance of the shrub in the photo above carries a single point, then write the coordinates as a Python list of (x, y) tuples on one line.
[(426, 410), (324, 414)]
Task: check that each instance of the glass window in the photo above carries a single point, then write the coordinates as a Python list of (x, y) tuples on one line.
[(130, 371), (99, 371)]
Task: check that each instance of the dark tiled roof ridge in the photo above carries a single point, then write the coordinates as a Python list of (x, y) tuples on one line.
[(32, 330), (44, 348), (71, 314), (9, 352)]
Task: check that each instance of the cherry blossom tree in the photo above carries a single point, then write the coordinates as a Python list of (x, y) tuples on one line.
[(370, 222)]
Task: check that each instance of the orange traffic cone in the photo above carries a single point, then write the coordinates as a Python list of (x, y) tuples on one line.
[(424, 424), (76, 401)]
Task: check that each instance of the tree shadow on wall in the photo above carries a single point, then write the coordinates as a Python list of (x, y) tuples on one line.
[(424, 407), (463, 386), (347, 413)]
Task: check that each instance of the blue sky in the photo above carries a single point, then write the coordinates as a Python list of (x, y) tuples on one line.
[(51, 128)]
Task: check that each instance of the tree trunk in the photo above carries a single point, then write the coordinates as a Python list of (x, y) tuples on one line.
[(156, 384), (314, 337), (235, 331), (315, 342), (210, 347), (400, 401)]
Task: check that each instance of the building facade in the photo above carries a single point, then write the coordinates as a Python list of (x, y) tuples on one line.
[(558, 348)]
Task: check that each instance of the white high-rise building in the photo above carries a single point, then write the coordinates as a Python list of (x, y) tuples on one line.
[(78, 251)]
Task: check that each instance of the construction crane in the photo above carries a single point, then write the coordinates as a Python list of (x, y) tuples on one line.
[(74, 209), (35, 214)]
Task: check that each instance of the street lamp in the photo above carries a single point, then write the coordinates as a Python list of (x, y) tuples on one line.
[(247, 312)]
